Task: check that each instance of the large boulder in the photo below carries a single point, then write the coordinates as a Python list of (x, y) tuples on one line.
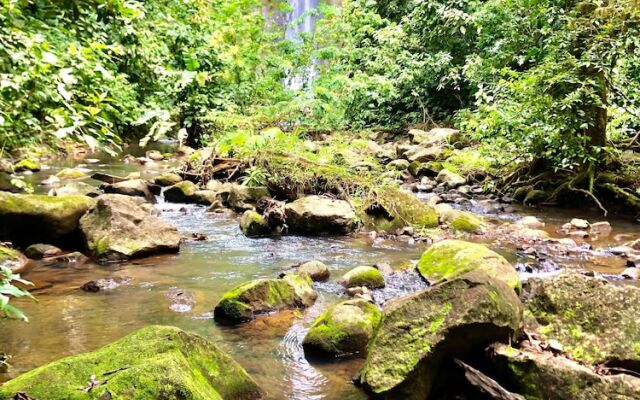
[(419, 331), (345, 328), (12, 259), (544, 376), (253, 224), (156, 362), (317, 271), (458, 220), (596, 321), (392, 209), (132, 187), (240, 197), (261, 296), (363, 276), (189, 192), (449, 259), (320, 215), (27, 219), (117, 228), (76, 189)]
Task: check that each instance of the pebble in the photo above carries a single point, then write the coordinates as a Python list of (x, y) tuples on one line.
[(579, 223)]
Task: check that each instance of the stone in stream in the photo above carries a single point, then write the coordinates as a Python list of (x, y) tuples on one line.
[(62, 261), (530, 222), (253, 224), (167, 179), (578, 223), (76, 189), (27, 219), (133, 187), (395, 208), (240, 197), (419, 331), (154, 155), (261, 296), (156, 362), (189, 192), (12, 259), (320, 215), (343, 329), (27, 164), (317, 271), (71, 173), (596, 321), (449, 259), (117, 228), (542, 375), (39, 251), (458, 220), (105, 284), (450, 179), (363, 276)]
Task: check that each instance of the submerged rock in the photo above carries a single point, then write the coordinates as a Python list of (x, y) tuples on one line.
[(317, 271), (27, 219), (40, 250), (261, 296), (156, 362), (345, 328), (320, 215), (105, 284), (596, 321), (117, 228), (542, 375), (363, 276), (12, 259), (418, 331), (451, 258)]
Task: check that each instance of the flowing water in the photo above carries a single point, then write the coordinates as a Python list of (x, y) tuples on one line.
[(67, 320)]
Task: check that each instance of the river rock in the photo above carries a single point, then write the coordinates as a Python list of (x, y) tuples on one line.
[(39, 251), (156, 362), (12, 259), (317, 271), (449, 259), (105, 284), (261, 296), (578, 223), (64, 260), (363, 276), (534, 197), (76, 189), (188, 192), (345, 328), (133, 187), (253, 224), (632, 273), (167, 179), (595, 320), (398, 165), (542, 375), (458, 220), (117, 228), (320, 215), (394, 208), (602, 228), (240, 197), (27, 219), (436, 136), (71, 173), (27, 164), (154, 155), (418, 331), (450, 179), (530, 222)]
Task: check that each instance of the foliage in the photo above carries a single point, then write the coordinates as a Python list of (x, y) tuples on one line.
[(8, 290)]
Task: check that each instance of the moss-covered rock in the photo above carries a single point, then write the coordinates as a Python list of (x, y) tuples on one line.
[(240, 197), (534, 197), (253, 224), (12, 259), (189, 192), (27, 219), (157, 362), (320, 215), (596, 321), (71, 173), (458, 220), (167, 179), (450, 179), (27, 164), (261, 296), (392, 209), (419, 330), (363, 276), (451, 258), (76, 189), (40, 250), (117, 228), (317, 271), (345, 328), (543, 376)]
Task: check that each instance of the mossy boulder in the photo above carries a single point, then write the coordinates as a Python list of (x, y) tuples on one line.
[(544, 376), (392, 209), (12, 259), (317, 271), (253, 224), (249, 300), (344, 329), (363, 276), (71, 173), (76, 189), (450, 179), (167, 179), (534, 197), (240, 197), (156, 362), (418, 331), (461, 221), (27, 219), (451, 258), (189, 192), (27, 164), (117, 228), (320, 215), (596, 321)]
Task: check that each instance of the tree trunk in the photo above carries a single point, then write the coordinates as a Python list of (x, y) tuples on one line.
[(597, 131)]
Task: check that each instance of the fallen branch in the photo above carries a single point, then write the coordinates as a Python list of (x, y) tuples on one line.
[(486, 384)]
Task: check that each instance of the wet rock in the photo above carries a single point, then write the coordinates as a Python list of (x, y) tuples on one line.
[(632, 273), (317, 271), (39, 251), (462, 221), (542, 375), (363, 276), (418, 331), (600, 228), (241, 198), (12, 259), (65, 260), (450, 179), (117, 229), (578, 234), (360, 292), (320, 215), (181, 301), (6, 166), (253, 224), (167, 179), (76, 189), (188, 192), (395, 208), (449, 259), (261, 296), (134, 187), (27, 219), (105, 284), (71, 173), (530, 222), (384, 268), (596, 321), (578, 223), (156, 362), (27, 164), (154, 155), (343, 329)]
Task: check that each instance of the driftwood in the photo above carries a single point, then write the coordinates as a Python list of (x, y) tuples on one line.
[(486, 384)]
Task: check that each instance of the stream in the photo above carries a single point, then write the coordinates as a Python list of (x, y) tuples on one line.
[(67, 320)]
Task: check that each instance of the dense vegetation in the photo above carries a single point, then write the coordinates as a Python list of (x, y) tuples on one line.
[(554, 85)]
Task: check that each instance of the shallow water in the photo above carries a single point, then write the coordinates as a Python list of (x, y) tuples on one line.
[(67, 320)]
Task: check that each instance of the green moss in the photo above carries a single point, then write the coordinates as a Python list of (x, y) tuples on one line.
[(364, 276), (404, 209), (439, 319), (253, 224), (153, 363), (71, 173), (535, 197), (27, 164)]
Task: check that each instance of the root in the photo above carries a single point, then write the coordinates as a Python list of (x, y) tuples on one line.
[(588, 176)]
